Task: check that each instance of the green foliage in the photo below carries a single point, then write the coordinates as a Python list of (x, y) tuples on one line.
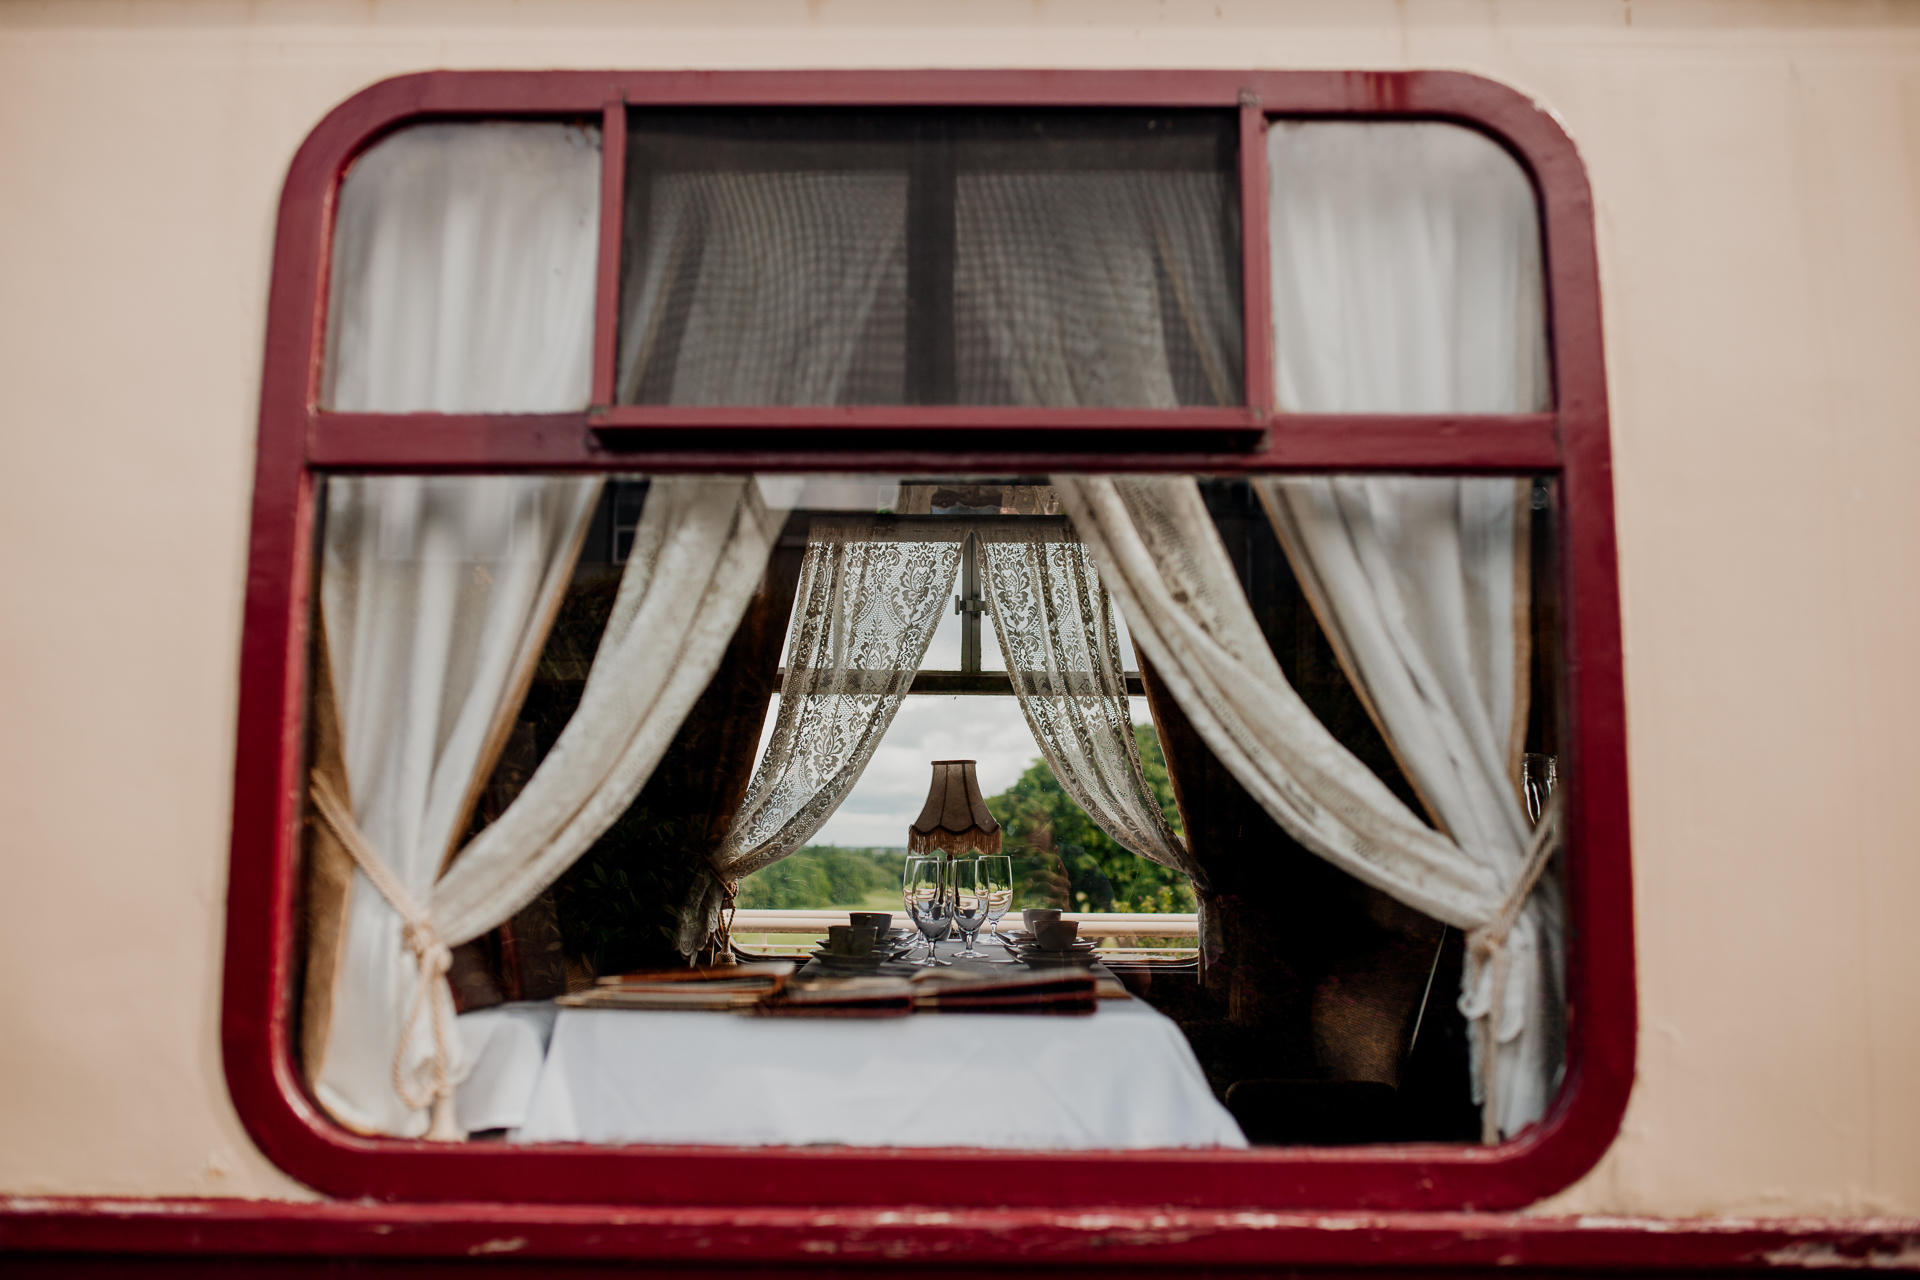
[(824, 875), (1060, 858), (1063, 859)]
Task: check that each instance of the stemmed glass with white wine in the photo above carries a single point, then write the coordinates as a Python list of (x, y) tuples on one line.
[(927, 890)]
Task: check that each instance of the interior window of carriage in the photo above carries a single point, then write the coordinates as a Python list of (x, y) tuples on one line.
[(932, 257), (564, 729)]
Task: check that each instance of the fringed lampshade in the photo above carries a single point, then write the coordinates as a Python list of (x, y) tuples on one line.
[(955, 819)]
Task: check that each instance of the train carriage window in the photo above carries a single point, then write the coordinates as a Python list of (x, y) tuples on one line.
[(573, 710)]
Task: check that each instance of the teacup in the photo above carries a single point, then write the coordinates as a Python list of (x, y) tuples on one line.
[(1037, 916), (849, 940), (881, 922), (1057, 935)]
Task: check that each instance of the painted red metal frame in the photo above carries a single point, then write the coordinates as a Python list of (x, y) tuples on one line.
[(1118, 1240), (297, 441)]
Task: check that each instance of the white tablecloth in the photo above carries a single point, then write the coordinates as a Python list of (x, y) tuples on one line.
[(506, 1045), (1124, 1077)]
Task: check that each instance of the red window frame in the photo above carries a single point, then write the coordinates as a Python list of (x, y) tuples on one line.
[(299, 441)]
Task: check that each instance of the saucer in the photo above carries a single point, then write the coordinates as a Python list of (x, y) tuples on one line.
[(1078, 944), (1059, 959), (851, 964)]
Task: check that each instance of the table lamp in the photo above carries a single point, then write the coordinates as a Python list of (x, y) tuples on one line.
[(955, 819)]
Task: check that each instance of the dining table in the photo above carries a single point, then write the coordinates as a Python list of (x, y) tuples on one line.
[(1122, 1077)]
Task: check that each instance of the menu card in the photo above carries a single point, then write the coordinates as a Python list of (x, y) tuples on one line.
[(715, 987)]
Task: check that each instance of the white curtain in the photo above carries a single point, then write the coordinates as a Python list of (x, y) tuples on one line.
[(1056, 627), (865, 609), (1419, 583), (1407, 279), (437, 593), (699, 554), (762, 288), (1162, 558), (1406, 271), (463, 276), (1065, 285), (463, 271)]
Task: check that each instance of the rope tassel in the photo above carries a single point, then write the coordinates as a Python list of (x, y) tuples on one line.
[(432, 957), (1487, 944)]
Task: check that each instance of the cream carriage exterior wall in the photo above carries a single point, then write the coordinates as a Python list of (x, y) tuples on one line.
[(1757, 174)]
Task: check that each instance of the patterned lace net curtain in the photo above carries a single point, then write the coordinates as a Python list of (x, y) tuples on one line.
[(868, 602), (1058, 631)]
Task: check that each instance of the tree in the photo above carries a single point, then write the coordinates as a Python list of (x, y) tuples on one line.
[(1063, 858)]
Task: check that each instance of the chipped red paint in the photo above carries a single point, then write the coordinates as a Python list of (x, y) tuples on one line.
[(1225, 1204), (1120, 1240)]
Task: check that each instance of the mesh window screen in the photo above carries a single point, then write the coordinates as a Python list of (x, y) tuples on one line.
[(914, 257)]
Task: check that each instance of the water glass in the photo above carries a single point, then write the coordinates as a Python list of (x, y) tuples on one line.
[(928, 891), (906, 903), (970, 900), (998, 870)]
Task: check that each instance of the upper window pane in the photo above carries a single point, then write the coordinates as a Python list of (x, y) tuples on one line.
[(932, 257), (463, 272), (1406, 271)]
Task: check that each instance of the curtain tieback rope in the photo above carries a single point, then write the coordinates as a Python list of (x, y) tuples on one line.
[(433, 957), (1487, 943)]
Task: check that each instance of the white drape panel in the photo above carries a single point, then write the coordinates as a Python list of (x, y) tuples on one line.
[(865, 609), (1162, 558), (1056, 627), (464, 282), (463, 274), (1406, 271), (764, 285), (1407, 278), (463, 271), (698, 556), (1416, 581), (437, 593), (1065, 283)]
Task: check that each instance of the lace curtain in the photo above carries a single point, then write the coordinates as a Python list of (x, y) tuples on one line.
[(866, 608), (1056, 627)]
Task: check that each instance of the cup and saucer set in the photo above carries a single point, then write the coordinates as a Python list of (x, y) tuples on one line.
[(863, 945), (1049, 941)]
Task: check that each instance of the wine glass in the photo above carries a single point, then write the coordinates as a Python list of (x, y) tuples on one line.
[(1538, 776), (970, 899), (906, 902), (997, 868), (929, 898)]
